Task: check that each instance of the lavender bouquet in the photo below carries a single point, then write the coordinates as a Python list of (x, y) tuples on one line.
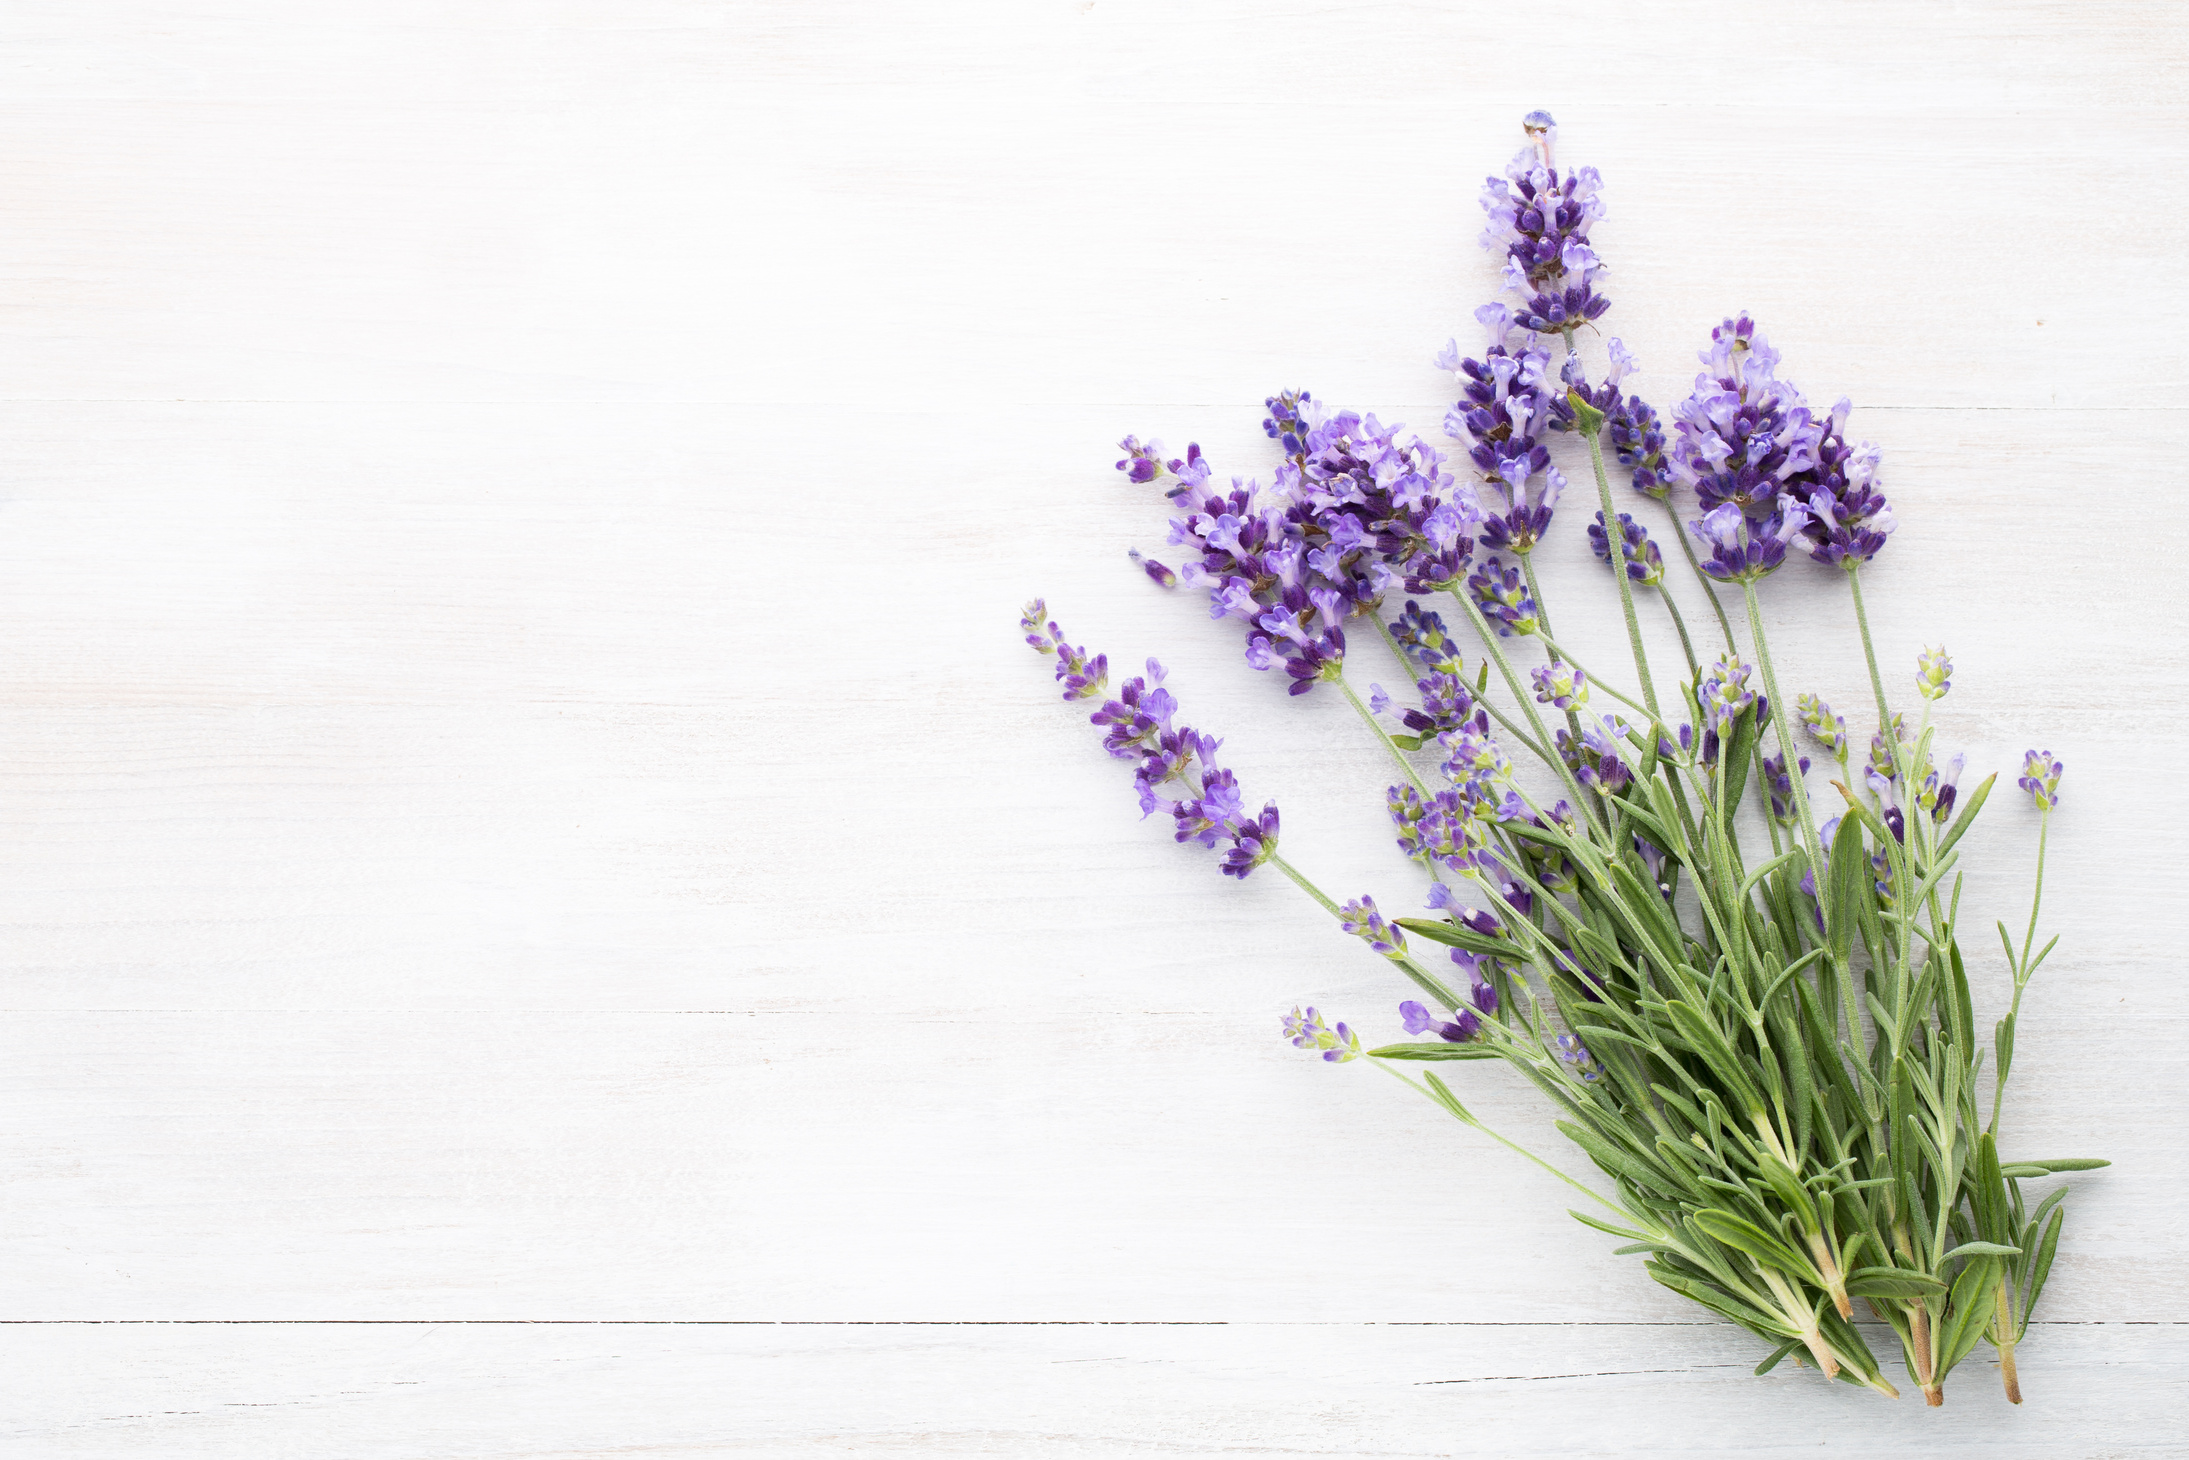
[(1773, 1057)]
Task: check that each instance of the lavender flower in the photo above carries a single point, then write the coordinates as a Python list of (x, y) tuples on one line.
[(1306, 1030), (1828, 730), (1143, 463), (1082, 677), (1645, 564), (1940, 789), (1502, 595), (1638, 440), (1443, 899), (1743, 549), (1443, 829), (1541, 219), (1575, 1056), (2041, 778), (1780, 787), (1175, 765), (1933, 673), (1356, 507), (1360, 918), (1597, 759), (1743, 434), (1159, 575), (1560, 684), (1849, 518), (1463, 1025), (1721, 697), (1447, 706), (1284, 424), (1884, 764)]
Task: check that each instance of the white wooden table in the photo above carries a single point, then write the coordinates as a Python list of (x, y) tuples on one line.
[(548, 912)]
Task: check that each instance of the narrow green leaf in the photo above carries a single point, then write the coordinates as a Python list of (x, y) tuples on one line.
[(1609, 1230), (1979, 1249), (1739, 1232), (1776, 1354), (1892, 1282), (1846, 881), (1969, 807), (1451, 937), (2043, 1269), (1437, 1051), (1718, 1300), (2069, 1163)]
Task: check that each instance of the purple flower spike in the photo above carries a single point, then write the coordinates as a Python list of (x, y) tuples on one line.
[(1458, 1030), (1284, 424), (1721, 697), (1575, 1056), (1598, 760), (1082, 677), (1422, 634), (1849, 517), (1560, 685), (1780, 787), (1743, 550), (1175, 767), (1645, 564), (1306, 1030), (1033, 623), (1502, 595), (1540, 219), (1941, 788), (2041, 778), (1933, 673), (1363, 921), (1829, 730)]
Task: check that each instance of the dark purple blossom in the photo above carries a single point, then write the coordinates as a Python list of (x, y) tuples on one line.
[(1175, 767), (1159, 575), (1421, 633), (1502, 595), (1849, 518), (1461, 1027), (1645, 564), (1540, 218), (1082, 677), (1743, 549), (1560, 685), (1598, 758), (1722, 696), (1743, 438), (1780, 786)]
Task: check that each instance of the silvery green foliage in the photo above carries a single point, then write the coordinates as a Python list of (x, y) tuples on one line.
[(1755, 1021)]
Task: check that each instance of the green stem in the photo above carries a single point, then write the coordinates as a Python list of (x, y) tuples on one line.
[(1695, 563), (1781, 717), (1527, 701), (1559, 652), (1542, 609), (1687, 645), (1407, 662), (1469, 1119), (1615, 539), (1869, 654), (2021, 970), (1381, 734), (1304, 885)]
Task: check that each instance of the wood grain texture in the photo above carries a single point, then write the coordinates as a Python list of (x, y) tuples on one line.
[(546, 910)]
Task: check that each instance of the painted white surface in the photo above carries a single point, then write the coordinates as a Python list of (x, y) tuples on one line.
[(527, 822)]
